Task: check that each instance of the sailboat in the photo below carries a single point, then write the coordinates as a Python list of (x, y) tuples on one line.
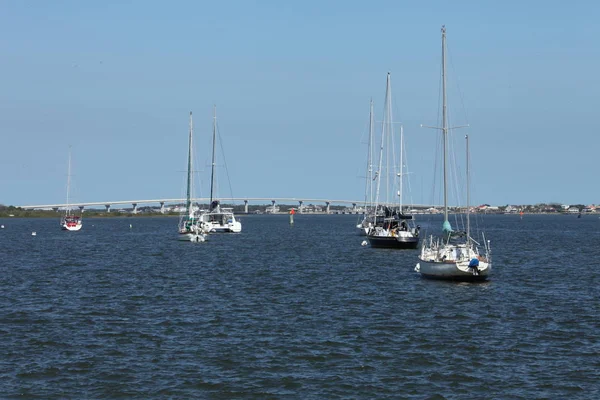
[(455, 254), (218, 219), (70, 222), (368, 218), (392, 228), (190, 225)]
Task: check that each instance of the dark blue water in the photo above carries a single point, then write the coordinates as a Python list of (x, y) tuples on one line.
[(294, 312)]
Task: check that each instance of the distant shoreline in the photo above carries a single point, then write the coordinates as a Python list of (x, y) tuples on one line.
[(111, 215)]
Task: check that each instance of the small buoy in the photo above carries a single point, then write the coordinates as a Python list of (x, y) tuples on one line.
[(2, 226), (33, 233), (130, 226), (364, 243)]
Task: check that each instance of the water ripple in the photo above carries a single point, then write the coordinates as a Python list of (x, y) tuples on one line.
[(299, 311)]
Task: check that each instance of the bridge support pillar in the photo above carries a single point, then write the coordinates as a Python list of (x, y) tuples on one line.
[(301, 208), (273, 203), (81, 209), (55, 209), (162, 207), (134, 210), (246, 206), (354, 208), (328, 204), (107, 207)]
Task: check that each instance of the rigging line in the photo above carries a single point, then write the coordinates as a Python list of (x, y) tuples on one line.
[(369, 170), (439, 141), (456, 80), (224, 161), (457, 84), (455, 171)]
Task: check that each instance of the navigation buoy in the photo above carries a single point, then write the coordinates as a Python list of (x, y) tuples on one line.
[(292, 212)]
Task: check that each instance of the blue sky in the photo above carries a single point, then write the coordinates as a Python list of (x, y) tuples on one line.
[(292, 82)]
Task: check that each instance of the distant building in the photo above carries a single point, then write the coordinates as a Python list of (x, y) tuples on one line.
[(272, 209)]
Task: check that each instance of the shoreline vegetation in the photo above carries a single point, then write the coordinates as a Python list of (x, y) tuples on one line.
[(553, 208)]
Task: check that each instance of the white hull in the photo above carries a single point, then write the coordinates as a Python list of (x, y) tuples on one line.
[(452, 262), (452, 271), (72, 228), (191, 237), (366, 224), (363, 230), (232, 227), (217, 221)]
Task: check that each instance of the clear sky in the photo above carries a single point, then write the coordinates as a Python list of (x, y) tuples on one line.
[(292, 82)]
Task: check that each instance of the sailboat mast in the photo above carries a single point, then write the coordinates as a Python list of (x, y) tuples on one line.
[(468, 194), (444, 122), (369, 183), (68, 208), (388, 149), (381, 145), (401, 165), (212, 174), (188, 199)]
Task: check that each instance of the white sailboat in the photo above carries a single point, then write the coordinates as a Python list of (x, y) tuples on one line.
[(454, 255), (392, 228), (218, 219), (69, 221), (368, 218), (190, 225)]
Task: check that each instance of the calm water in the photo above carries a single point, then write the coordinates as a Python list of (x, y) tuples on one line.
[(299, 311)]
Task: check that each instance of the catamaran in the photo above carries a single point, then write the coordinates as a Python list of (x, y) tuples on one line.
[(69, 221), (392, 228), (455, 254), (218, 219), (191, 228)]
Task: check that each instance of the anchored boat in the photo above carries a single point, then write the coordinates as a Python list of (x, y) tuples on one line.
[(190, 227), (69, 221), (391, 227), (454, 255), (218, 219)]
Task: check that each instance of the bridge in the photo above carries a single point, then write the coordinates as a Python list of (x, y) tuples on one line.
[(246, 200)]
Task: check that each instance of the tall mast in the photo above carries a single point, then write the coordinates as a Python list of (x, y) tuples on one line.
[(383, 138), (446, 227), (444, 124), (68, 211), (212, 174), (468, 194), (401, 165), (389, 138), (188, 200), (369, 183)]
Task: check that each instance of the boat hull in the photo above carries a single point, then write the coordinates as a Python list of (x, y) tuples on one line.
[(393, 242), (232, 227), (362, 230), (452, 271), (71, 228), (191, 237)]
